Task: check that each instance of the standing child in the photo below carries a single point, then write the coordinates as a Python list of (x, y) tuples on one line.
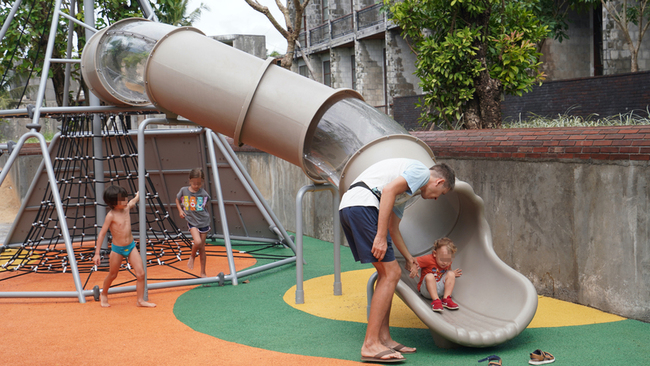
[(118, 221), (437, 278), (192, 202)]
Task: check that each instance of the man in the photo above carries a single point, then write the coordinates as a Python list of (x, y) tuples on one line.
[(371, 209)]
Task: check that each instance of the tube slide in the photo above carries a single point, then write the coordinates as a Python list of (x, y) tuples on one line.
[(332, 135)]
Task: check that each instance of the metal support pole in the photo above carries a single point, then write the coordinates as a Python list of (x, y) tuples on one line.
[(222, 207), (142, 188), (68, 54), (46, 64), (300, 292), (10, 17), (79, 110), (98, 164), (54, 188), (147, 10)]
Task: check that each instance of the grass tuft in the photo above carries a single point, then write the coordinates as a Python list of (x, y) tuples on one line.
[(593, 120)]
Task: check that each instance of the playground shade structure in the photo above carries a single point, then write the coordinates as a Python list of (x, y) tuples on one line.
[(332, 135)]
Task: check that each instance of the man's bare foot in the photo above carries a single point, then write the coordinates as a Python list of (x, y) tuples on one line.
[(104, 301), (146, 304), (190, 263)]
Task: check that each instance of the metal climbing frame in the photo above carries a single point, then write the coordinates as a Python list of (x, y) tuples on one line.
[(35, 132), (211, 138)]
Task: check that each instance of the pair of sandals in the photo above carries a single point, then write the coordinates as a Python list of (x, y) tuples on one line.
[(537, 357)]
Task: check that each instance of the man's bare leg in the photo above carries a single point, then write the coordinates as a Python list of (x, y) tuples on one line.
[(384, 333), (388, 275)]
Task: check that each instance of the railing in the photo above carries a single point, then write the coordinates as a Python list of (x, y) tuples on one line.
[(302, 38), (339, 27), (319, 34), (342, 26), (369, 16)]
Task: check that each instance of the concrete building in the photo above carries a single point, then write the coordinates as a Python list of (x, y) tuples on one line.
[(351, 44), (253, 44)]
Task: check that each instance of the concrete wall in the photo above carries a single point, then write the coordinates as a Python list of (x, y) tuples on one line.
[(341, 65), (14, 128), (279, 182), (400, 65), (578, 231), (573, 57), (22, 172), (567, 207), (616, 53), (253, 44), (370, 70)]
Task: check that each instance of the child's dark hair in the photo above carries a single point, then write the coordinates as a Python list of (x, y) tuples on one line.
[(113, 194), (445, 242), (197, 173)]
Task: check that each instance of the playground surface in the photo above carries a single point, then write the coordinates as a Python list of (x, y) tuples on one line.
[(257, 322)]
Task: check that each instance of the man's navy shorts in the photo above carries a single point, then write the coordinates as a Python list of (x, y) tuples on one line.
[(359, 224)]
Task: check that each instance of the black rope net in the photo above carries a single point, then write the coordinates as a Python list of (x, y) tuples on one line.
[(44, 251)]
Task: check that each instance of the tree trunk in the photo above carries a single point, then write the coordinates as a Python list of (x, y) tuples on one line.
[(487, 114), (488, 92), (287, 59), (472, 115), (634, 58)]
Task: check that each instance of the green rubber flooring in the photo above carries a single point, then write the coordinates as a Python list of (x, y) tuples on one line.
[(256, 315)]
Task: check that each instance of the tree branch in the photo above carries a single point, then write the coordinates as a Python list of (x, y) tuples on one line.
[(264, 10)]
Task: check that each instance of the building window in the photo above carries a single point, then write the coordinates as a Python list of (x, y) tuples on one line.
[(302, 70), (325, 8), (327, 74), (353, 66)]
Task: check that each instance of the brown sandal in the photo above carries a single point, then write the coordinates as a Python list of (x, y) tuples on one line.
[(494, 360), (539, 357)]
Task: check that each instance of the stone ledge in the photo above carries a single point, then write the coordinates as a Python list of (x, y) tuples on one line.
[(597, 143)]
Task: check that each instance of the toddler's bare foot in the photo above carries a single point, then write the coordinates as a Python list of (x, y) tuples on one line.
[(104, 301), (190, 263), (146, 304)]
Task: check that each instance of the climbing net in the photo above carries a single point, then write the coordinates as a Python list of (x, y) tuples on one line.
[(43, 250)]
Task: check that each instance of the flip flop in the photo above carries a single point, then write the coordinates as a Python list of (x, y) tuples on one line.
[(400, 346), (378, 357)]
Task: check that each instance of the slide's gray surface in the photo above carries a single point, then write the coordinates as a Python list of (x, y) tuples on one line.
[(332, 135), (496, 302)]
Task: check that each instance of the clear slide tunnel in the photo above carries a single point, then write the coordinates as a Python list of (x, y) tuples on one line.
[(333, 135)]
